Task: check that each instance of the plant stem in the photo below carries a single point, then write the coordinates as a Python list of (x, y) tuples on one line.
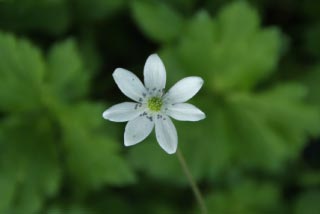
[(192, 182)]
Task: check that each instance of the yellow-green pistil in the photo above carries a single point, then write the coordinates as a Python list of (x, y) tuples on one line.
[(155, 104)]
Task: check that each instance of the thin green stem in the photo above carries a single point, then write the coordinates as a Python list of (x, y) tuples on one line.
[(192, 182)]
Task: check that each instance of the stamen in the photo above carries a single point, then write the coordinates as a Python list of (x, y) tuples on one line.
[(155, 104)]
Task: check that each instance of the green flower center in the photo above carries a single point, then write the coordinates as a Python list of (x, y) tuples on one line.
[(155, 104)]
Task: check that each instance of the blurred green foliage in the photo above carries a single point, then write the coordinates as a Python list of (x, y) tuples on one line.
[(266, 199), (50, 132), (256, 152)]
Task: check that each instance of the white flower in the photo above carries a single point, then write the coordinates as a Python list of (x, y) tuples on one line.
[(152, 106)]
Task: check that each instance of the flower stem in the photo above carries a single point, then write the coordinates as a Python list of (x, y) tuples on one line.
[(192, 182)]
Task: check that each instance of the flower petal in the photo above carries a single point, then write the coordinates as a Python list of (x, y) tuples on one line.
[(129, 84), (137, 130), (123, 112), (154, 73), (166, 134), (183, 90), (185, 112)]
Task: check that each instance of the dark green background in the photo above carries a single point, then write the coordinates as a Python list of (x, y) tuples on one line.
[(256, 152)]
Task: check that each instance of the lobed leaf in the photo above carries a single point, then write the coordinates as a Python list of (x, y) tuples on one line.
[(157, 20), (29, 164), (66, 75), (22, 71), (231, 52), (93, 155)]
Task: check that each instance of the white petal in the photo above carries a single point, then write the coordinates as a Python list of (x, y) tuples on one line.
[(154, 73), (166, 134), (184, 90), (129, 84), (122, 112), (185, 112), (137, 130)]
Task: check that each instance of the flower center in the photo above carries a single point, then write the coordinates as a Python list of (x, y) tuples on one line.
[(155, 104)]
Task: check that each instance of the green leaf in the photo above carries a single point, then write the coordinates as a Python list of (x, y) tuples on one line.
[(256, 131), (66, 74), (157, 20), (89, 52), (148, 156), (266, 122), (207, 146), (230, 52), (307, 203), (244, 129), (8, 187), (245, 197), (21, 72), (309, 178), (93, 155), (70, 209), (29, 164)]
